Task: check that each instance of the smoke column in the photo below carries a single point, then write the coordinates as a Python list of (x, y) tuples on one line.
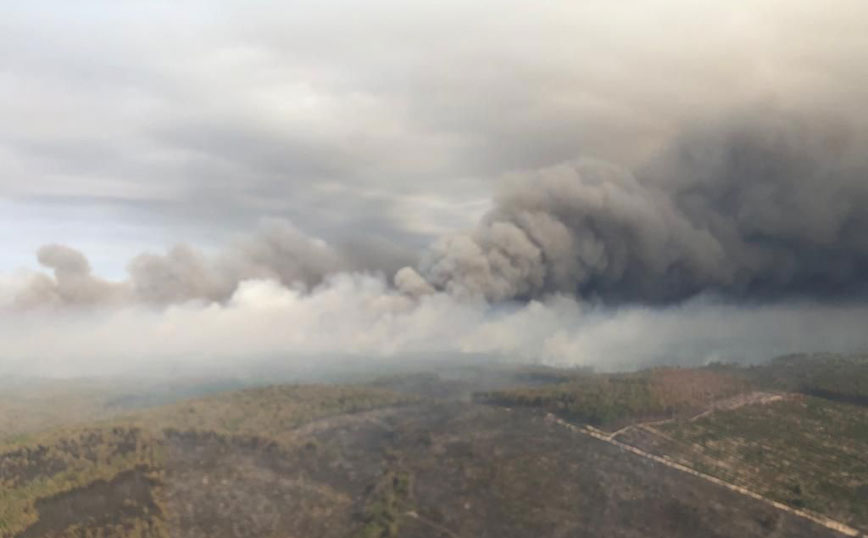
[(757, 207)]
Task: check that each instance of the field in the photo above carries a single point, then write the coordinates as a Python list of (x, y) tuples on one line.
[(830, 376), (804, 451), (612, 400), (42, 466), (794, 430), (415, 456)]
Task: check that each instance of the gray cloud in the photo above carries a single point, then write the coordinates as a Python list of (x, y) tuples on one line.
[(761, 205), (210, 116), (72, 282), (277, 251), (614, 134)]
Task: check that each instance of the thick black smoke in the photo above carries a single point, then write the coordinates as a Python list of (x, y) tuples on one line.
[(763, 205)]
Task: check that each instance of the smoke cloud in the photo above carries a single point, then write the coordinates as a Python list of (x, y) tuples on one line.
[(72, 283), (742, 239), (674, 180), (277, 251), (762, 206), (361, 319)]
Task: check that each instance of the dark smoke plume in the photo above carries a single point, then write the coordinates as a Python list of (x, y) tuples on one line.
[(762, 206)]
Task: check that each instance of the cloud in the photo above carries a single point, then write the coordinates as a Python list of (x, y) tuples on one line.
[(645, 157), (743, 239), (277, 251), (72, 283), (762, 205), (201, 119)]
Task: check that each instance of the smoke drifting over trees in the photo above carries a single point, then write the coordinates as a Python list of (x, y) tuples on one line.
[(766, 206)]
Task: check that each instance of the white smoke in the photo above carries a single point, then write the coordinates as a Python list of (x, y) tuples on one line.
[(361, 317)]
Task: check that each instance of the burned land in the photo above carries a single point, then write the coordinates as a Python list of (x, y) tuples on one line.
[(769, 450)]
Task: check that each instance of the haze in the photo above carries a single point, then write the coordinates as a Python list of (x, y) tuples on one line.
[(602, 185)]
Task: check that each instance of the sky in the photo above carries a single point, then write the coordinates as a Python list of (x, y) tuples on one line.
[(490, 155)]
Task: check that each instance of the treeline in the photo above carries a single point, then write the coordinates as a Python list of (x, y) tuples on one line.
[(45, 465), (271, 412), (834, 377), (65, 461), (612, 399)]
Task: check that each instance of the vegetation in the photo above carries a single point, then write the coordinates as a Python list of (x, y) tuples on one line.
[(40, 466), (303, 460), (804, 451), (837, 377), (389, 500), (269, 412), (613, 399), (802, 442), (62, 462)]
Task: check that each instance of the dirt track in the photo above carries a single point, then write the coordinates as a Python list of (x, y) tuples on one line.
[(609, 438)]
